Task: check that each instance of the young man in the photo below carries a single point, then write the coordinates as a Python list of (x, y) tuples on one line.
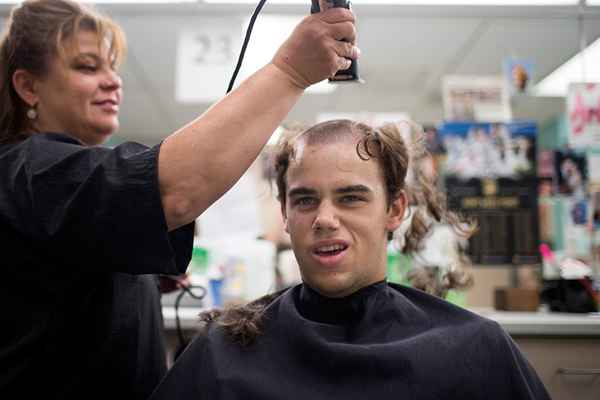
[(345, 332)]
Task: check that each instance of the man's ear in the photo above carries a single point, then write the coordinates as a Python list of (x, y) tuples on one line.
[(396, 211), (24, 83)]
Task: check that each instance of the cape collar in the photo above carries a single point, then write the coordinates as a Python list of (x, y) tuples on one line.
[(319, 308)]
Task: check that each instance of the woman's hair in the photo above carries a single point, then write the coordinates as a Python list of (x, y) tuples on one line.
[(36, 32), (397, 154)]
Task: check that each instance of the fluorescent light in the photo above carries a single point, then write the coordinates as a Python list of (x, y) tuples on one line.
[(140, 1), (360, 2), (423, 2), (117, 1), (555, 84)]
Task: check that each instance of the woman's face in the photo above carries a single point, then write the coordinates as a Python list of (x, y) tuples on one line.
[(80, 95)]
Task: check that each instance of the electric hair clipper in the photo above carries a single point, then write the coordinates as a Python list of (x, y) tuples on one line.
[(346, 75)]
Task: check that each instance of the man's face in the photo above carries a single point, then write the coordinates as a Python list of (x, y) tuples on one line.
[(338, 218)]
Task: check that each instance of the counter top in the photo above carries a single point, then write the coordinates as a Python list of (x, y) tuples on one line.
[(545, 323), (515, 323)]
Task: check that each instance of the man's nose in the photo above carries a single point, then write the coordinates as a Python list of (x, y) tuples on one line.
[(326, 218)]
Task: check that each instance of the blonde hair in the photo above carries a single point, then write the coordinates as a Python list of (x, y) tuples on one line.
[(36, 32)]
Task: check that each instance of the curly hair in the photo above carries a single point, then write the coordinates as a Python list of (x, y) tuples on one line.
[(395, 150)]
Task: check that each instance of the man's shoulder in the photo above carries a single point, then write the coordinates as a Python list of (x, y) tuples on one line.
[(438, 312)]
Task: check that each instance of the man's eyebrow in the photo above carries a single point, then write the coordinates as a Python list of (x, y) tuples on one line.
[(353, 189), (301, 191)]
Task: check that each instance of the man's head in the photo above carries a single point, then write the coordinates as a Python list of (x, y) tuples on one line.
[(341, 191)]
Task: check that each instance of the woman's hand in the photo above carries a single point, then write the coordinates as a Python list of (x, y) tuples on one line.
[(206, 157), (171, 283), (321, 44)]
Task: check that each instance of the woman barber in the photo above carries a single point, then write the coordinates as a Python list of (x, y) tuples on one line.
[(81, 225)]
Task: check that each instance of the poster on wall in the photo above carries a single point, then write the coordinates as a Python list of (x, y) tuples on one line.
[(576, 230), (595, 209), (518, 74), (583, 113), (476, 98), (593, 167), (489, 150), (571, 172)]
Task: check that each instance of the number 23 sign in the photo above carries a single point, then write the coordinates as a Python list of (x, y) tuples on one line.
[(206, 57)]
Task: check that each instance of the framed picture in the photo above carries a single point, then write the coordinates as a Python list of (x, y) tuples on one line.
[(476, 98)]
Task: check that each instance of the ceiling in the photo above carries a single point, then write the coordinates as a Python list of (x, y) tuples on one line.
[(406, 51)]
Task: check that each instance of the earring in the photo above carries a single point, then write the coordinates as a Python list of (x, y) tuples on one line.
[(32, 113)]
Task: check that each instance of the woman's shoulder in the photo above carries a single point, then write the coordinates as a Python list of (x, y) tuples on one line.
[(40, 150)]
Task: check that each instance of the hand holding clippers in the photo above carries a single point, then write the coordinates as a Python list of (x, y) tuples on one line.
[(346, 75)]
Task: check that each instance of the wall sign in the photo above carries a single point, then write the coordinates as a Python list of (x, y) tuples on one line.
[(206, 57), (583, 112)]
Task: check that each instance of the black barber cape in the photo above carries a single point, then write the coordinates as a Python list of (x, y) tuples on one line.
[(79, 226), (382, 342)]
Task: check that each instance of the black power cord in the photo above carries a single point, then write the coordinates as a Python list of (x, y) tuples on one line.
[(189, 290), (245, 45)]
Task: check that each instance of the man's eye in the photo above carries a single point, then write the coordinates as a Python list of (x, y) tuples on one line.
[(304, 201), (351, 198)]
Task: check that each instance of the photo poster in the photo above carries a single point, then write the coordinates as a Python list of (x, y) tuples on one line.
[(433, 142), (595, 209), (489, 150), (518, 74), (546, 173), (577, 233), (583, 114), (571, 172), (476, 98), (435, 147), (593, 167)]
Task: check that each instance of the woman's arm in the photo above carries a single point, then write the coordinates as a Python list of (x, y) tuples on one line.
[(202, 160)]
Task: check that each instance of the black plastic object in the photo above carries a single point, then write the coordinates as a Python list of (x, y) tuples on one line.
[(346, 75), (572, 296)]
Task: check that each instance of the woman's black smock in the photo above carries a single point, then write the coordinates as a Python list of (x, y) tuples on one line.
[(81, 229)]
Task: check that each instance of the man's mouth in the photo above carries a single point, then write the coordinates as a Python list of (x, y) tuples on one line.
[(330, 250)]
